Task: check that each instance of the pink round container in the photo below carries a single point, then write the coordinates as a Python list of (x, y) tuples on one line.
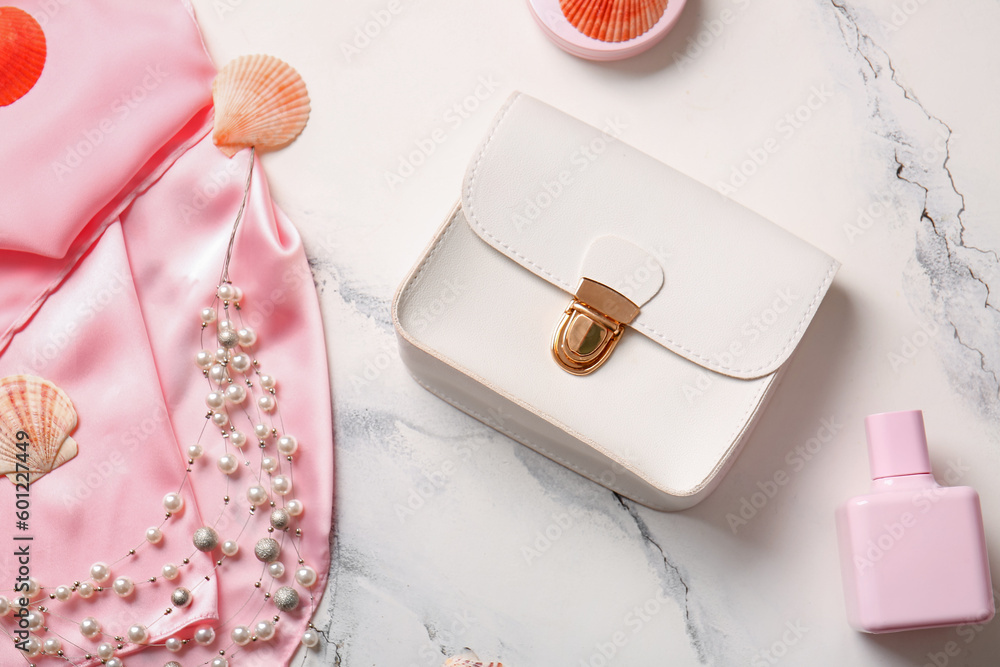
[(549, 16)]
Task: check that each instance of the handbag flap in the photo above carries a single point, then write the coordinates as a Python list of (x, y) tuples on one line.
[(716, 283)]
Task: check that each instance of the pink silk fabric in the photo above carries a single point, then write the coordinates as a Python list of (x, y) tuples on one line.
[(106, 260)]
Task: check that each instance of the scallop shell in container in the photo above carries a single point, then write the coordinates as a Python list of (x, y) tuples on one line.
[(22, 54), (36, 418), (468, 659), (613, 20), (260, 101)]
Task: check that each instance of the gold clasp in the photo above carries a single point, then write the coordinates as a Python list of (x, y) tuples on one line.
[(590, 327)]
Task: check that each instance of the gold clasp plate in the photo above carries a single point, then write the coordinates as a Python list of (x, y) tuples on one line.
[(590, 327)]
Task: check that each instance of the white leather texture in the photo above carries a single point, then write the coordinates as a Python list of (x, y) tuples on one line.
[(624, 267), (476, 315), (740, 290)]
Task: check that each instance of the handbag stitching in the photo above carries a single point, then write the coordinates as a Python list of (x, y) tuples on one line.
[(803, 323), (430, 253)]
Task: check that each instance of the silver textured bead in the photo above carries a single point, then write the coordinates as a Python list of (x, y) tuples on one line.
[(172, 663), (286, 598), (267, 550), (280, 518), (181, 597), (228, 338), (205, 539)]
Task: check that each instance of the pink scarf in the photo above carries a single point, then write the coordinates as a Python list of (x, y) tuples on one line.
[(115, 214)]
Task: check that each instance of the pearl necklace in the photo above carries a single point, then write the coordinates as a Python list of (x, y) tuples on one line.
[(238, 390)]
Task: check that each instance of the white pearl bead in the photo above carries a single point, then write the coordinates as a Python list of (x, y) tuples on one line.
[(137, 634), (208, 315), (84, 590), (220, 662), (257, 495), (51, 646), (33, 646), (269, 464), (276, 569), (228, 464), (230, 547), (225, 325), (174, 644), (34, 619), (217, 372), (90, 627), (154, 535), (204, 635), (247, 336), (310, 638), (215, 400), (105, 651), (4, 606), (34, 588), (261, 431), (238, 438), (287, 444), (264, 630), (306, 576), (240, 362), (172, 502), (241, 635), (100, 572), (220, 418), (114, 662), (267, 403), (63, 593), (204, 359), (170, 571), (123, 586), (222, 355), (267, 381), (281, 485), (226, 292), (235, 393), (195, 451), (294, 507)]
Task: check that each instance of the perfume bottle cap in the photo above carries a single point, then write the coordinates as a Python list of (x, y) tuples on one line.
[(897, 444)]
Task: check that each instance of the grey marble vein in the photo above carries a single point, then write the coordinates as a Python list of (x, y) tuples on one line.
[(949, 280)]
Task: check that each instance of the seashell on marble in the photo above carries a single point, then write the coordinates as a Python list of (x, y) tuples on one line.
[(22, 54), (613, 20), (260, 101), (468, 659), (36, 418)]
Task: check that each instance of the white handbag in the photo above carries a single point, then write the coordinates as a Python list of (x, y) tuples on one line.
[(604, 309)]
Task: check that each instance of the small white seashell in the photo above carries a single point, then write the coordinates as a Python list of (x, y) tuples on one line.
[(468, 659), (36, 418), (260, 101)]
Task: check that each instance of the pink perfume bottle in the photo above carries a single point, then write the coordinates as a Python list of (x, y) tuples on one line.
[(912, 553)]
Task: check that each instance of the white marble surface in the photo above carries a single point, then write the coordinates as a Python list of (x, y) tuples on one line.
[(903, 125)]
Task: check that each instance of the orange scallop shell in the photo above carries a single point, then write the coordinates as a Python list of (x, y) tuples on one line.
[(613, 20), (22, 54), (260, 101)]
